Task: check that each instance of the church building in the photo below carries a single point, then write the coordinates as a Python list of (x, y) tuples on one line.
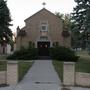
[(43, 30)]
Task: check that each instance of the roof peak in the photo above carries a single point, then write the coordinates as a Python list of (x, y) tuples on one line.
[(41, 11)]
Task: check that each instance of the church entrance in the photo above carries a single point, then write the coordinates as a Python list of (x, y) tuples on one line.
[(43, 48)]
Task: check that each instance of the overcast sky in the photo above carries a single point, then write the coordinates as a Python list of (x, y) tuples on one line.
[(22, 9)]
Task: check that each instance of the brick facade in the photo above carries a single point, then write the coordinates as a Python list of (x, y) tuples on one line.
[(34, 33)]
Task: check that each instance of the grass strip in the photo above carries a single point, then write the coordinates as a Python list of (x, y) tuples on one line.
[(3, 65), (82, 66), (58, 65), (23, 67)]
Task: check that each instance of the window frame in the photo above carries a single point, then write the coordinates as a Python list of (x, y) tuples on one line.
[(44, 24)]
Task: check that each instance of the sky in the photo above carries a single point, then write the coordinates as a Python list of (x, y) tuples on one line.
[(22, 9)]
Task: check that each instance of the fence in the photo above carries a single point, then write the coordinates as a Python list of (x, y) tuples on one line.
[(76, 74), (73, 73), (8, 72)]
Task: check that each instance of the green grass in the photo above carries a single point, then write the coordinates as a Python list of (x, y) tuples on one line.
[(3, 65), (3, 61), (83, 55), (23, 68), (3, 57), (83, 65), (59, 68)]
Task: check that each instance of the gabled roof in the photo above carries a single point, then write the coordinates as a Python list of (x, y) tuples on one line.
[(41, 11)]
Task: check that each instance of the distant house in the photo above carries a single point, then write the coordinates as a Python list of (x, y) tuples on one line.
[(5, 49), (43, 30)]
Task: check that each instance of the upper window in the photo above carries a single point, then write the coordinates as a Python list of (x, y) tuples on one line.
[(44, 26)]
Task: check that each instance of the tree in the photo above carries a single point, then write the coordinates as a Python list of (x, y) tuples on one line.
[(60, 15), (88, 23), (5, 19), (66, 23), (80, 18)]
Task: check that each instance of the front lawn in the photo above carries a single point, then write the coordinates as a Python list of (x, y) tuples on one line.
[(3, 65), (58, 65), (3, 57), (83, 65), (83, 55), (23, 67)]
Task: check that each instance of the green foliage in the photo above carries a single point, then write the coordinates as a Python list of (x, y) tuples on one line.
[(24, 54), (79, 14), (63, 54), (3, 65), (81, 21), (88, 19), (88, 49), (83, 65), (23, 67), (5, 19), (61, 16), (58, 65), (66, 19)]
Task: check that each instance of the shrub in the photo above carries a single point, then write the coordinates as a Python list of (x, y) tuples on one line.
[(24, 54), (63, 54), (88, 49)]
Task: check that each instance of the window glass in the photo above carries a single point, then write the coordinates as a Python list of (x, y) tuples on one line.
[(43, 26)]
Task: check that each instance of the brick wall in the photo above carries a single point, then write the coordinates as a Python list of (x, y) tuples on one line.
[(83, 79), (32, 28), (2, 77)]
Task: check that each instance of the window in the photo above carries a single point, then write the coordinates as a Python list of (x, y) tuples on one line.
[(56, 44), (43, 26), (43, 38)]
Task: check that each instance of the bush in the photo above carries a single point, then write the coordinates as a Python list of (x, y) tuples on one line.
[(24, 54), (88, 49), (63, 54)]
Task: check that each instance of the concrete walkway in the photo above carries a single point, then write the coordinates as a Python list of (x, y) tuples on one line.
[(41, 76), (41, 72)]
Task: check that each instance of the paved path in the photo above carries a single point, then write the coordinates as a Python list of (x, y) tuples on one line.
[(41, 76), (41, 72)]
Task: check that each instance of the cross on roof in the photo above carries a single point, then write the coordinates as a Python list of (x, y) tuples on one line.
[(44, 4)]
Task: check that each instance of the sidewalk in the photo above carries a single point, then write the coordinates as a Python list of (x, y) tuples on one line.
[(41, 76), (41, 72)]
